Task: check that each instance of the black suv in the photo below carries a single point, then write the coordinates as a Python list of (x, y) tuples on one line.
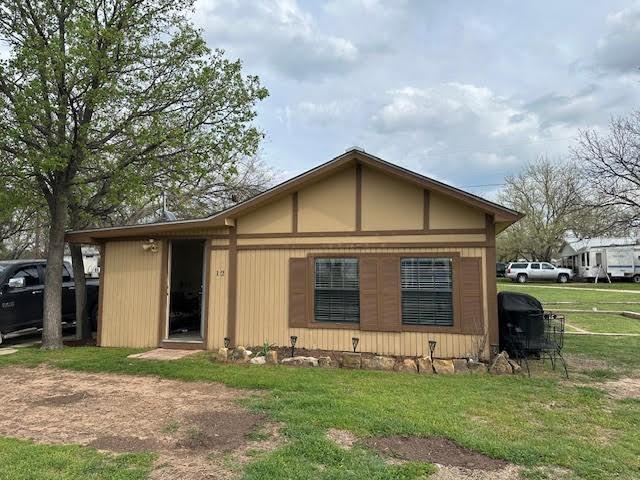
[(21, 296)]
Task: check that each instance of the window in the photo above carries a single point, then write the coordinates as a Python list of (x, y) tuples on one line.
[(30, 275), (427, 291), (547, 266), (518, 265), (598, 259), (66, 276), (337, 290), (535, 266)]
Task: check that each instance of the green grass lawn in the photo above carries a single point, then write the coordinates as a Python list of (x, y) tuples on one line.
[(23, 460), (539, 422), (593, 322), (542, 421)]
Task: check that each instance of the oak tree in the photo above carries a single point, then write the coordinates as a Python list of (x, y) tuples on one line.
[(97, 97)]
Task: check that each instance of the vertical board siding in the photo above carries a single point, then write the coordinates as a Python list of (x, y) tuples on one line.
[(131, 296), (218, 295), (263, 304)]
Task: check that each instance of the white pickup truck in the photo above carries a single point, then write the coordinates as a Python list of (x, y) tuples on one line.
[(521, 272)]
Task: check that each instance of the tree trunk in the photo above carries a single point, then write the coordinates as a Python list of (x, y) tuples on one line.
[(52, 321), (83, 329)]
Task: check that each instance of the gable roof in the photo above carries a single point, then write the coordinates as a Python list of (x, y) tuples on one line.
[(354, 156)]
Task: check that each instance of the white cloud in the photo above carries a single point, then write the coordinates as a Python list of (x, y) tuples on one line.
[(451, 106), (619, 49), (277, 33)]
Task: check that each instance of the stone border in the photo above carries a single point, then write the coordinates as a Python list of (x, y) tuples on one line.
[(501, 364)]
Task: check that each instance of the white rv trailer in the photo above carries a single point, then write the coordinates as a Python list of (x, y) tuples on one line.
[(595, 258)]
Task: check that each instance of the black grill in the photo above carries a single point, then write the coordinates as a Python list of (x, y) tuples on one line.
[(527, 331)]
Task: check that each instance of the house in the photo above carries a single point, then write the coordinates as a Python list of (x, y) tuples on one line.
[(357, 247)]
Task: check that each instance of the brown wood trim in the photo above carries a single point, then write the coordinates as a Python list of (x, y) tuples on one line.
[(164, 290), (103, 251), (206, 286), (492, 294), (294, 212), (219, 247), (358, 197), (425, 211), (232, 279), (366, 233), (306, 246), (177, 345)]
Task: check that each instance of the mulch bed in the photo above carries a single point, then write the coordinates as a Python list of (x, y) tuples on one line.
[(435, 450)]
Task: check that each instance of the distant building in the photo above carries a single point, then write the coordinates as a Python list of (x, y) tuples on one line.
[(617, 257)]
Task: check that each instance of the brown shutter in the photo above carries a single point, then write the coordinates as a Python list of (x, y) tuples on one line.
[(368, 293), (298, 292), (389, 294), (471, 317)]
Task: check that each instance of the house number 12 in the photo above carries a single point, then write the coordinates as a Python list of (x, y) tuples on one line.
[(219, 273)]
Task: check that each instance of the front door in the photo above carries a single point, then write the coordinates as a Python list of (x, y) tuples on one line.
[(185, 320)]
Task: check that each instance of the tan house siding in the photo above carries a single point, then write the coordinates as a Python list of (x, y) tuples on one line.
[(329, 205), (275, 217), (218, 294), (445, 213), (389, 203), (263, 302), (131, 297)]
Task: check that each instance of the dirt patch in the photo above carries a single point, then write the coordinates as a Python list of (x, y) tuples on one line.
[(435, 450), (343, 438), (121, 413), (623, 388), (124, 444), (61, 400), (456, 473), (215, 430)]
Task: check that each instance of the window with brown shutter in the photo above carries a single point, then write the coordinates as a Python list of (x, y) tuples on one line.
[(472, 317), (337, 290), (427, 291), (369, 293), (298, 291)]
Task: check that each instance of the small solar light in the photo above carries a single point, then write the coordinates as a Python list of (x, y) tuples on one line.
[(432, 348), (227, 342), (354, 342), (294, 339)]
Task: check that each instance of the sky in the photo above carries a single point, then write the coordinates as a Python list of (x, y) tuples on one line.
[(464, 92)]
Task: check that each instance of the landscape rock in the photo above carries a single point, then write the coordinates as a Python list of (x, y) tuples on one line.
[(476, 367), (515, 368), (261, 360), (408, 365), (425, 366), (351, 360), (272, 357), (378, 362), (300, 361), (443, 367), (501, 365), (460, 365), (325, 362), (223, 354), (240, 354)]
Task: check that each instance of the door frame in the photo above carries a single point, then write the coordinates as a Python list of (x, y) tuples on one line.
[(165, 298)]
